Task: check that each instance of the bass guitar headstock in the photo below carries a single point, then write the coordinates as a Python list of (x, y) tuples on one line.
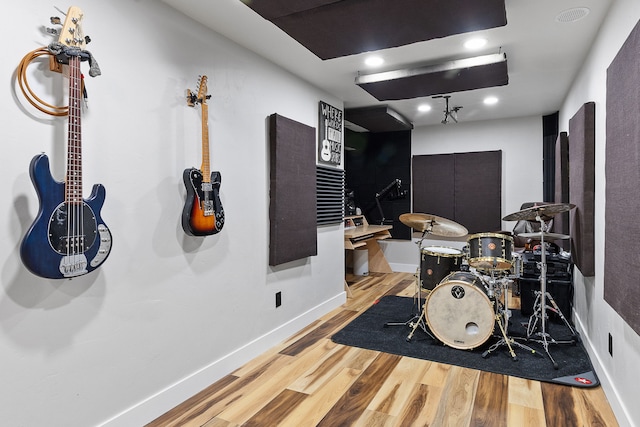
[(200, 97), (71, 33)]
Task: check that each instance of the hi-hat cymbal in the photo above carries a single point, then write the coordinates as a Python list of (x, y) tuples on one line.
[(547, 235), (545, 212), (433, 224)]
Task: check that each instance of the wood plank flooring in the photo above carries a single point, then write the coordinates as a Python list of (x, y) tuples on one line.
[(310, 381)]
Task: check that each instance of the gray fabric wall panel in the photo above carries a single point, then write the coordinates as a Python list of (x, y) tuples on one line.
[(622, 170), (292, 197), (561, 221), (582, 142)]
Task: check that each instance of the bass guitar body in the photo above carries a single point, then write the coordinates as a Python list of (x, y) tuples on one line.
[(202, 214), (66, 239)]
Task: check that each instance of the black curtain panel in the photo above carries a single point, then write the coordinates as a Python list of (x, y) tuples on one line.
[(463, 187)]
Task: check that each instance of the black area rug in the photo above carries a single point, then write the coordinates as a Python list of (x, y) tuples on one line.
[(368, 331)]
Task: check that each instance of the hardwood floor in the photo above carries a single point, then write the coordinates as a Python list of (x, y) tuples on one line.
[(310, 381)]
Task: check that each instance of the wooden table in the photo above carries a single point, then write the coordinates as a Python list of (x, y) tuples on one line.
[(358, 233)]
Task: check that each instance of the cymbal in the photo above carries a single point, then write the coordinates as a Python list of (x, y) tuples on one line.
[(433, 224), (547, 235), (545, 211)]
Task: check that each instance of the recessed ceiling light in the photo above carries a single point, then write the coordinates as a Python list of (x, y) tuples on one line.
[(423, 108), (490, 100), (475, 43), (374, 61)]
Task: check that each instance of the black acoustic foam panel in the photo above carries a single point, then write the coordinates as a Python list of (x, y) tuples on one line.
[(332, 29), (622, 170), (292, 197), (582, 144)]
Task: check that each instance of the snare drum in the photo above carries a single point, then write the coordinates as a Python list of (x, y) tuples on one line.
[(459, 312), (490, 251), (436, 262)]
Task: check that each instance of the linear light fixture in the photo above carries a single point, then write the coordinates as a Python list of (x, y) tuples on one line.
[(447, 77)]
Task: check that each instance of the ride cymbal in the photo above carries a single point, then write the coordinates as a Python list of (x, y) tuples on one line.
[(433, 224), (545, 211), (547, 235)]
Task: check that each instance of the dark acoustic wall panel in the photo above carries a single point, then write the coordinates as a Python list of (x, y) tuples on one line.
[(433, 185), (478, 191), (292, 197), (622, 170), (331, 29), (463, 187), (582, 142), (561, 220)]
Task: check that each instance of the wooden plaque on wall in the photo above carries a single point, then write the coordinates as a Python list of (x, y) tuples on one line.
[(292, 197)]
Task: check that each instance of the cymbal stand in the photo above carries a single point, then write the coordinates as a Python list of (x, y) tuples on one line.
[(502, 319), (416, 320), (540, 304)]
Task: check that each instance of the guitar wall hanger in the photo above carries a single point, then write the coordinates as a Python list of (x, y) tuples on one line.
[(193, 100)]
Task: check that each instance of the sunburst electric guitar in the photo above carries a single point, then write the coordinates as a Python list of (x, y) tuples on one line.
[(202, 214), (68, 237)]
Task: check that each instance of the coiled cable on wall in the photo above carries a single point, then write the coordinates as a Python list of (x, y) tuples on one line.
[(33, 99)]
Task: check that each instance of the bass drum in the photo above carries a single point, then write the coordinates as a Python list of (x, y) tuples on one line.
[(436, 262), (459, 312)]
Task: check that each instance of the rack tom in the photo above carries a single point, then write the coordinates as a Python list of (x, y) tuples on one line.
[(490, 251)]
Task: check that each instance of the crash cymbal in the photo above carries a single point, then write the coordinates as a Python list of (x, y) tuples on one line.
[(547, 235), (433, 224), (545, 212)]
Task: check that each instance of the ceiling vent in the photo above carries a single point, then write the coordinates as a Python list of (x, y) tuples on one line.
[(572, 15)]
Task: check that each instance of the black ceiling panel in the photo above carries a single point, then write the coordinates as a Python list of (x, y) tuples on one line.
[(439, 80), (377, 119), (332, 29)]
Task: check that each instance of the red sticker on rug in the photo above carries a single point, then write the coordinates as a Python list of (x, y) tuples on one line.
[(582, 380)]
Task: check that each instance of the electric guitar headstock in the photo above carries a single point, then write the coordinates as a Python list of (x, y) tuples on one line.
[(71, 33), (201, 97)]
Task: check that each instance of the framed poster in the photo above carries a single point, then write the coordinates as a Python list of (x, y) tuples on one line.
[(329, 135)]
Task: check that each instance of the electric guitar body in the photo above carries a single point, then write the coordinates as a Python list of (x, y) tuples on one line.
[(48, 249), (68, 237), (202, 214)]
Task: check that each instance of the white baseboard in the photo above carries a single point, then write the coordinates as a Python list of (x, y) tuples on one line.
[(403, 268), (159, 403), (614, 398)]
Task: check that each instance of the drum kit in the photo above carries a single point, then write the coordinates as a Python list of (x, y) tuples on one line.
[(462, 295)]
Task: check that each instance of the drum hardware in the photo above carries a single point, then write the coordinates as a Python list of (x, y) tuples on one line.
[(426, 224), (543, 213), (502, 319)]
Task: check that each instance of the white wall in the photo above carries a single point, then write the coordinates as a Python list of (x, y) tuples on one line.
[(167, 314), (595, 318), (521, 143)]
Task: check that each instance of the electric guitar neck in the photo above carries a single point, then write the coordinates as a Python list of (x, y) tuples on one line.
[(203, 213)]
